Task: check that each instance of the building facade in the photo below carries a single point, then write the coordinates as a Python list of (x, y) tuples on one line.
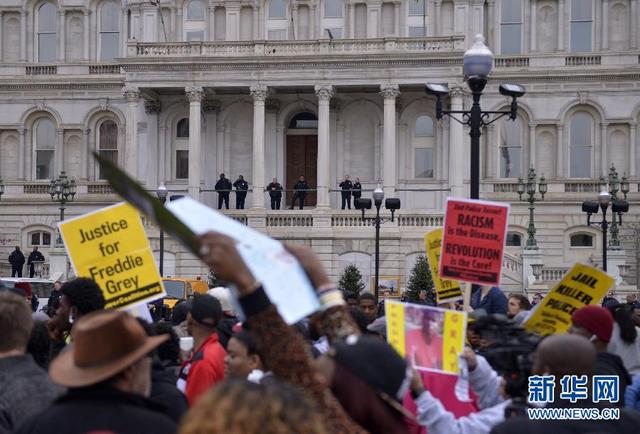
[(180, 92)]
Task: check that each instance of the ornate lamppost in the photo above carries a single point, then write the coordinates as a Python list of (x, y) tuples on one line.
[(530, 189), (62, 191), (614, 185)]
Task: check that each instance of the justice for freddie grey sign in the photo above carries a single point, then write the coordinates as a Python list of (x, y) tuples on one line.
[(473, 242), (110, 246)]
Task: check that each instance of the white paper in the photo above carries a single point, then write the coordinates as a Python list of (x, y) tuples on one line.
[(280, 274)]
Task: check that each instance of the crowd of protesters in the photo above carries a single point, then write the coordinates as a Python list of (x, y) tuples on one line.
[(204, 371)]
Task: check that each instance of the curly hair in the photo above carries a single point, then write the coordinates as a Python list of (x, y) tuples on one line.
[(168, 351), (241, 407), (83, 293)]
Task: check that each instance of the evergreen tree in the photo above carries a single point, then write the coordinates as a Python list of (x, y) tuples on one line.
[(213, 280), (351, 280), (420, 279)]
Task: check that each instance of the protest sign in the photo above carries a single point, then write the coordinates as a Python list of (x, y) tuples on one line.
[(473, 242), (432, 338), (446, 290), (581, 286), (110, 246)]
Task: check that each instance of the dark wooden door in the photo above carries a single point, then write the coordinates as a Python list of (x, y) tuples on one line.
[(302, 159)]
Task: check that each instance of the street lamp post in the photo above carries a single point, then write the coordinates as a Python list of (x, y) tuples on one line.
[(617, 207), (530, 189), (62, 191), (615, 186), (161, 192), (391, 204), (476, 65)]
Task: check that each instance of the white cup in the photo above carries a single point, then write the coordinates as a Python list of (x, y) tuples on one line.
[(186, 344)]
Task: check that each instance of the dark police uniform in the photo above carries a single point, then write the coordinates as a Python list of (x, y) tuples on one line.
[(275, 193), (223, 187), (357, 191), (299, 189), (241, 192), (346, 187)]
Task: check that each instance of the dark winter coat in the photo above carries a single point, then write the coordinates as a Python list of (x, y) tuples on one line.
[(16, 258), (300, 188), (223, 184), (25, 390), (165, 392), (241, 187), (357, 190), (275, 189), (346, 187), (494, 302), (35, 256), (611, 364), (100, 408)]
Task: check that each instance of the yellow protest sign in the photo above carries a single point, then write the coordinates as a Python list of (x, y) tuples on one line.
[(581, 286), (111, 247), (446, 290)]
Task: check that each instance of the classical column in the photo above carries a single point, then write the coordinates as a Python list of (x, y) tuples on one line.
[(132, 95), (605, 24), (61, 34), (438, 13), (632, 150), (604, 146), (23, 35), (256, 24), (389, 92), (295, 20), (560, 168), (532, 26), (211, 28), (174, 25), (457, 154), (259, 94), (324, 94), (561, 25), (633, 25), (352, 20), (491, 154), (195, 94), (87, 24), (84, 155), (22, 154), (59, 158), (209, 148), (1, 34), (396, 20), (532, 146), (153, 151)]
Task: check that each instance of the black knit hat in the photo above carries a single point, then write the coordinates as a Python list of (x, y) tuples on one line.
[(376, 363), (206, 310)]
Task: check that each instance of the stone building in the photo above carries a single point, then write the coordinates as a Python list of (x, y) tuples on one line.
[(180, 92)]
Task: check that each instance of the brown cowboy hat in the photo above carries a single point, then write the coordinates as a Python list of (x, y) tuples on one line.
[(104, 344)]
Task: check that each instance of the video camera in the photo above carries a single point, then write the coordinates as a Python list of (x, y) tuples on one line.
[(510, 353)]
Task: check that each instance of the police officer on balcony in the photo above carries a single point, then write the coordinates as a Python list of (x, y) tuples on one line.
[(223, 187), (241, 191), (299, 192), (357, 190), (275, 193), (346, 187)]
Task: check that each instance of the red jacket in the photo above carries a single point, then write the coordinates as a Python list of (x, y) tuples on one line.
[(202, 370)]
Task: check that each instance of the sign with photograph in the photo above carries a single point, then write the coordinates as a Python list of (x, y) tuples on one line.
[(387, 285)]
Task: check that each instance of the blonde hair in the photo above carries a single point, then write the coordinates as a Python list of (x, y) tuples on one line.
[(241, 407)]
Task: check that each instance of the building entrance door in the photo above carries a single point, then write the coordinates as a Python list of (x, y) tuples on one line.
[(302, 159)]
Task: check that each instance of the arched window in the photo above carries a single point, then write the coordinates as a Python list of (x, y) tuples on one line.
[(109, 31), (44, 148), (304, 120), (511, 27), (581, 145), (39, 238), (108, 142), (581, 25), (47, 33), (514, 239), (581, 240), (182, 149), (423, 144), (195, 21), (511, 148), (277, 9)]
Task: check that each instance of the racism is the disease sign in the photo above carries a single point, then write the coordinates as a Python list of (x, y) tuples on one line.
[(111, 247), (473, 242)]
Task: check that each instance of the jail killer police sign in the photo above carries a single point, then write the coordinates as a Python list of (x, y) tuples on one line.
[(110, 246), (473, 242), (581, 286)]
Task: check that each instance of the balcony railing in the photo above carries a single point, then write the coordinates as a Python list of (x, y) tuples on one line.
[(41, 70), (297, 48), (289, 220)]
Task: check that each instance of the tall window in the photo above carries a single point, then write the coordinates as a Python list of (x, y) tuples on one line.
[(416, 7), (47, 33), (333, 19), (278, 23), (511, 27), (581, 240), (195, 21), (511, 149), (39, 238), (581, 25), (108, 143), (277, 9), (182, 149), (423, 144), (416, 21), (45, 145), (581, 145), (333, 8), (109, 31)]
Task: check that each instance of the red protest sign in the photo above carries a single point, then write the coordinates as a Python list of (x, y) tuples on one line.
[(473, 242)]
